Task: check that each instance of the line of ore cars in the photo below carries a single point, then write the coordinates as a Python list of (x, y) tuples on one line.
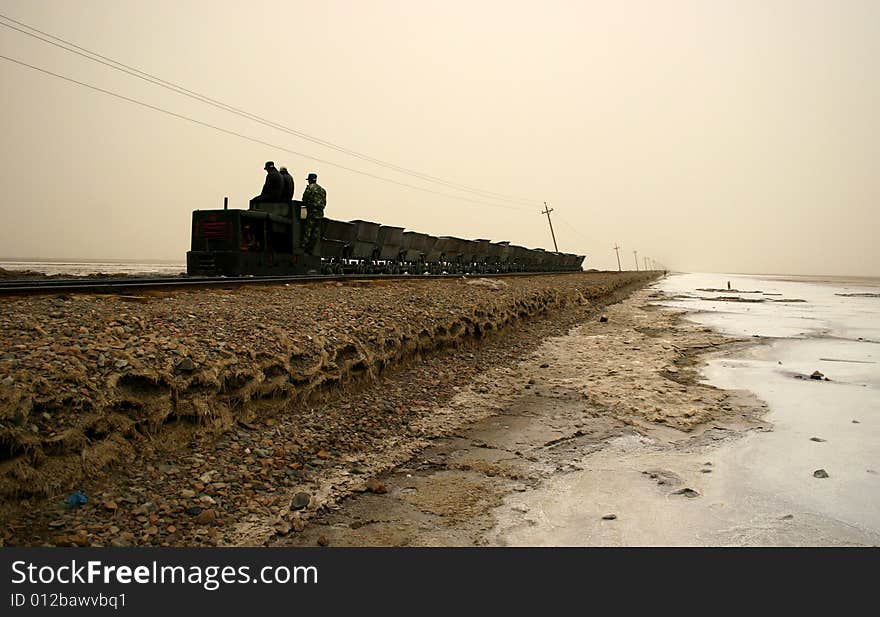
[(267, 240)]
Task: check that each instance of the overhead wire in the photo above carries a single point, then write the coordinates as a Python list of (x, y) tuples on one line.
[(145, 76), (254, 139), (573, 228)]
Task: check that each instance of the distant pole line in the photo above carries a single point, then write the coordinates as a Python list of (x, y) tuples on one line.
[(143, 75), (617, 252), (636, 257), (547, 210)]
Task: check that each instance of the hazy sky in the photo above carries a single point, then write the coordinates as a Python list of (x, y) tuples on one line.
[(710, 135)]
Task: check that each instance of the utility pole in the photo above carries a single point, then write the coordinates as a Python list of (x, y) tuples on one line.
[(636, 256), (619, 269), (547, 210)]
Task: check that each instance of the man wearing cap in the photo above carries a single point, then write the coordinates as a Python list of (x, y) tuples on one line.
[(314, 199), (272, 187)]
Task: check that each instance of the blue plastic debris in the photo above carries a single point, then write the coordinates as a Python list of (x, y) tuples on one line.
[(75, 499)]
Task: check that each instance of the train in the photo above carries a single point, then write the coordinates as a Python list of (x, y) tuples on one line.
[(266, 240)]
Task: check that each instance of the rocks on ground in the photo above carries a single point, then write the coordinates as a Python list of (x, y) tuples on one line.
[(189, 486)]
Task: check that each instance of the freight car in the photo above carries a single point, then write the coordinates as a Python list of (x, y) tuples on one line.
[(267, 240)]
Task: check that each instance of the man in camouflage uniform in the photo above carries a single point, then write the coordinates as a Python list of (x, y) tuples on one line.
[(314, 199)]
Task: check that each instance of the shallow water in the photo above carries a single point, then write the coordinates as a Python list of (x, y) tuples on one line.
[(836, 335), (84, 268), (757, 490), (823, 312)]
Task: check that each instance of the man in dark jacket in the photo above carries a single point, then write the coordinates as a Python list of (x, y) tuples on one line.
[(272, 187), (287, 190)]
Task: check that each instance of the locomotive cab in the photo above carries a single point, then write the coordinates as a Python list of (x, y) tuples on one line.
[(266, 239)]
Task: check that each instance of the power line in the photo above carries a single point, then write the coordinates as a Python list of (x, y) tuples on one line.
[(135, 72), (254, 139), (573, 229), (143, 75)]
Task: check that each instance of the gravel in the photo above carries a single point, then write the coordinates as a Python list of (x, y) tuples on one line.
[(199, 415)]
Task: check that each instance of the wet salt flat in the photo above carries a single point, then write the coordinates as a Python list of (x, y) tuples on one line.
[(836, 335), (823, 311), (758, 489), (84, 268)]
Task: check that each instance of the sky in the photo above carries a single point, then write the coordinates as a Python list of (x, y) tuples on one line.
[(708, 135)]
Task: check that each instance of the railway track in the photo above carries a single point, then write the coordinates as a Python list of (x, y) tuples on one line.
[(133, 284)]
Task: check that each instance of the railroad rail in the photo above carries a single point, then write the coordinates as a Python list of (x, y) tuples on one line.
[(115, 285)]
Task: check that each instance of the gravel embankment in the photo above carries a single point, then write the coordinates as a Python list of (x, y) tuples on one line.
[(88, 381)]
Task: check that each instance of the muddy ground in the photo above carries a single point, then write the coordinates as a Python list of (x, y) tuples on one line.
[(597, 387)]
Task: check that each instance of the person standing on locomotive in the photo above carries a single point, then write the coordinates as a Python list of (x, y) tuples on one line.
[(314, 199), (272, 187), (287, 186)]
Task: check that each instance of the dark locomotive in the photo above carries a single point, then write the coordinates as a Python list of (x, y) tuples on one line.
[(267, 240)]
